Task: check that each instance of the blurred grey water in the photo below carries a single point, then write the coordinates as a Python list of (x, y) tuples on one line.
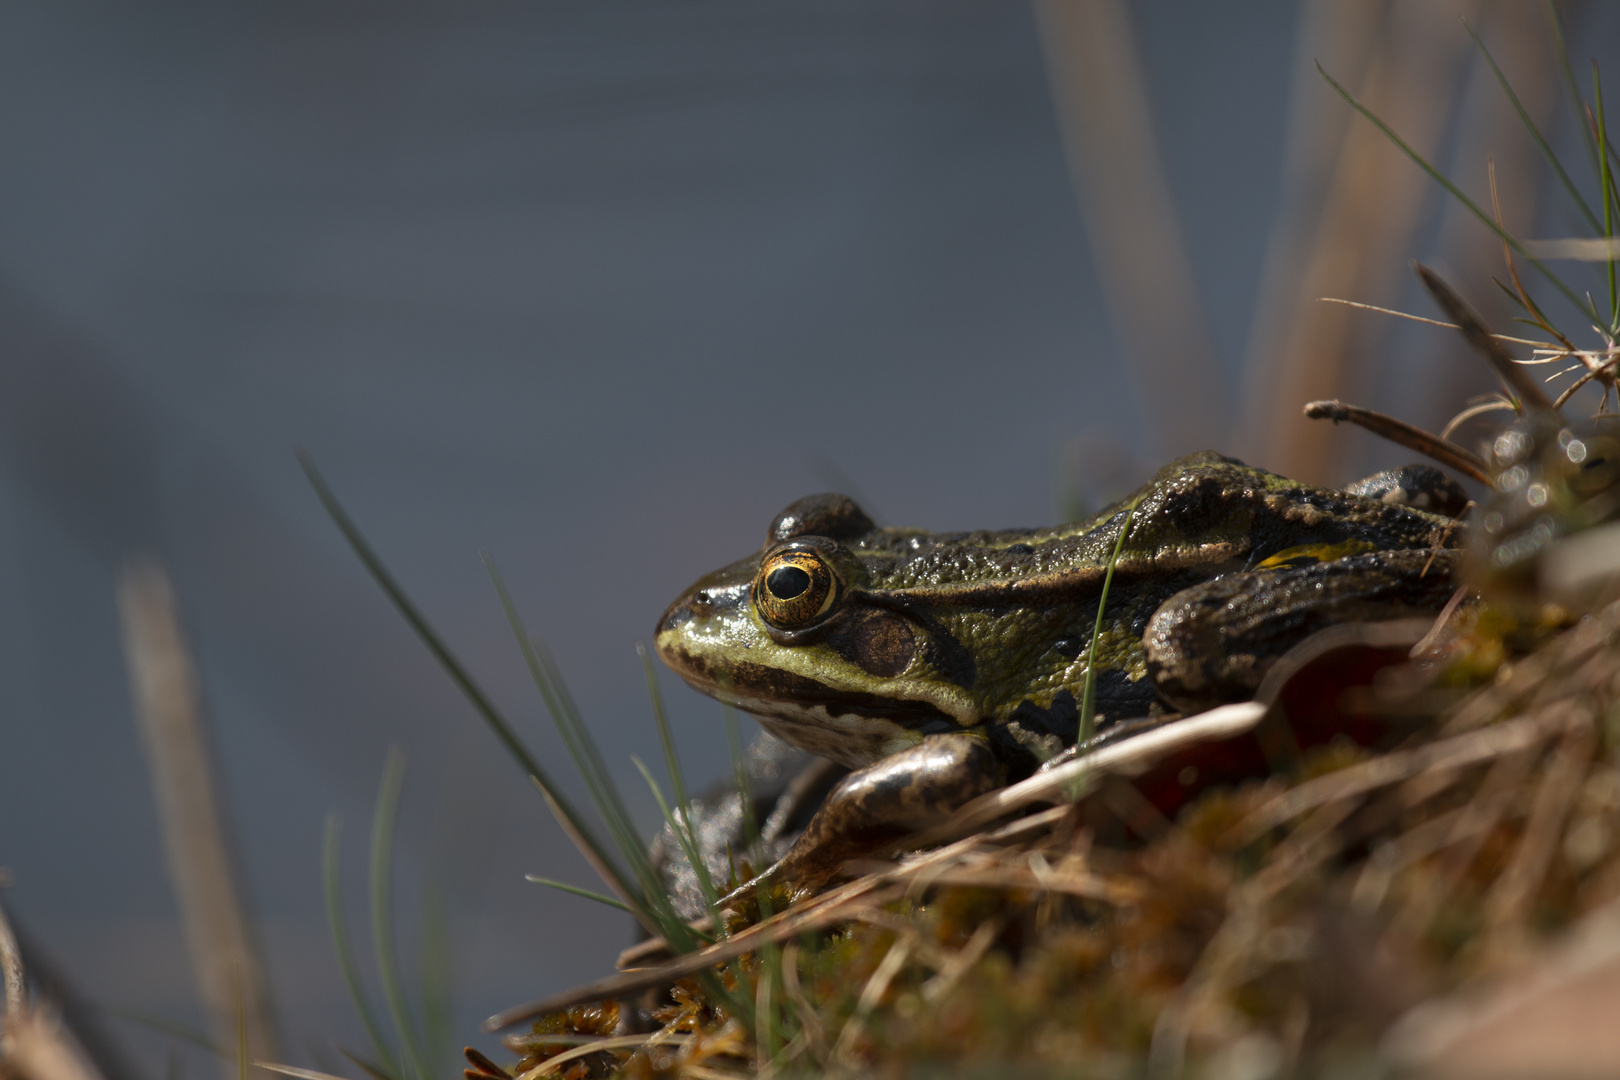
[(597, 287)]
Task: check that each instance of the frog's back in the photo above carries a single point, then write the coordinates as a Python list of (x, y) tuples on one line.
[(1204, 513)]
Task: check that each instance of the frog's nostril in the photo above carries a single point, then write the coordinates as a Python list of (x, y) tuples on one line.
[(677, 616), (702, 602)]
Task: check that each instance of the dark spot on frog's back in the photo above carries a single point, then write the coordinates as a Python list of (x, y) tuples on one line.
[(833, 516), (1194, 499), (880, 643)]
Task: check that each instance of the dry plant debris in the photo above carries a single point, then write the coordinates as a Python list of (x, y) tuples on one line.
[(1277, 925)]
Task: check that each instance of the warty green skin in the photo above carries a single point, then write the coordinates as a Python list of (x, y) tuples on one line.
[(986, 632)]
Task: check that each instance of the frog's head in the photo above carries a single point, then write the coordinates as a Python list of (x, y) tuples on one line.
[(793, 636)]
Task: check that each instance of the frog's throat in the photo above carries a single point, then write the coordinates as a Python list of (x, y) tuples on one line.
[(849, 739)]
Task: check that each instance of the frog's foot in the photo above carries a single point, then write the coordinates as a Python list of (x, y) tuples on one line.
[(1214, 642), (876, 805)]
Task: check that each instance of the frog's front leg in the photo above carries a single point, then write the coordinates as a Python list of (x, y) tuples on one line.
[(883, 802), (1214, 642)]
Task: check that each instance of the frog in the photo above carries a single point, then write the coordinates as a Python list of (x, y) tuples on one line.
[(937, 667)]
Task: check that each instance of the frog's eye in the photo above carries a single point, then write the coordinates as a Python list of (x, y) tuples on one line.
[(794, 588)]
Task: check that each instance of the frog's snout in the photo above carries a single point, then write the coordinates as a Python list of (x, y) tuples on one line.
[(680, 613), (708, 608)]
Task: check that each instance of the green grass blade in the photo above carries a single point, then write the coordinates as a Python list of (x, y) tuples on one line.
[(1088, 697), (241, 1028), (407, 608), (656, 912), (1568, 71), (683, 835), (453, 667), (382, 908), (756, 856), (1535, 132), (364, 1066), (1457, 193), (661, 717), (577, 891), (739, 774), (435, 976), (588, 760), (564, 714), (1606, 187), (331, 865), (681, 823)]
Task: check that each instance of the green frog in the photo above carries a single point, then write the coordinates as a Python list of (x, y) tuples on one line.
[(940, 666)]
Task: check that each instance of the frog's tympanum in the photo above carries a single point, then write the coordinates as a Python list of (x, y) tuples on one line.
[(940, 666)]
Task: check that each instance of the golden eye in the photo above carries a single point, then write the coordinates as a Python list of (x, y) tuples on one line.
[(794, 588)]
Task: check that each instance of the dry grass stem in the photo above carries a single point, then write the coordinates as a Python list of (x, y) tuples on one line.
[(1131, 219), (168, 706)]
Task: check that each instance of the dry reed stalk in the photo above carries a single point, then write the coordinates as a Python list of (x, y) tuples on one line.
[(12, 972), (168, 708), (35, 1046), (1130, 219), (1345, 234)]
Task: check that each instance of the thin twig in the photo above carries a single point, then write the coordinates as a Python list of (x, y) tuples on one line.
[(1429, 322), (1403, 434), (1479, 336), (1440, 622), (1472, 411), (1605, 368)]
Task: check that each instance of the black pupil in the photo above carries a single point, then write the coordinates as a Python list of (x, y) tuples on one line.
[(786, 582)]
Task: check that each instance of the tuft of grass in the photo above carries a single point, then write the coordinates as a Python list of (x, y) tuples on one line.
[(504, 732), (680, 822), (1601, 220), (435, 980), (739, 775), (345, 952), (675, 820), (1584, 305), (649, 897), (382, 910), (1535, 132), (422, 1047), (639, 888)]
